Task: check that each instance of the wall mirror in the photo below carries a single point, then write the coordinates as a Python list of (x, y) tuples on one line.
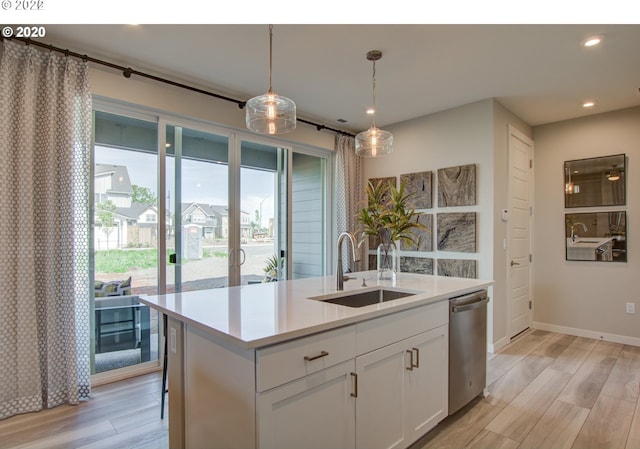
[(598, 236), (597, 181)]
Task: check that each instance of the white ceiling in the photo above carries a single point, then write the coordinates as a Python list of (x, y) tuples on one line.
[(539, 72)]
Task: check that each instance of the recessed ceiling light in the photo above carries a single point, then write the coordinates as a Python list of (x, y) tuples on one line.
[(588, 104), (592, 41)]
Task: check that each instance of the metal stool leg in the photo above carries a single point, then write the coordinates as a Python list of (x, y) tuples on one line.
[(164, 367)]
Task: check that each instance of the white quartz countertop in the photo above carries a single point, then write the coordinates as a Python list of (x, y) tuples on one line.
[(256, 315)]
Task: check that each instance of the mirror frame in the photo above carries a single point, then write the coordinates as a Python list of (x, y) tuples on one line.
[(592, 169)]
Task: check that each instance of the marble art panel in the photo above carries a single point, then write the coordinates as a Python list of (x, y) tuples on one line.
[(457, 232), (457, 186), (424, 238), (416, 265), (457, 268), (420, 185)]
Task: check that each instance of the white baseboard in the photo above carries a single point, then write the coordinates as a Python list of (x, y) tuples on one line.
[(623, 339), (495, 347)]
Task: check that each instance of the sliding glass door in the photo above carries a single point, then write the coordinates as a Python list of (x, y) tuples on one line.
[(125, 241), (180, 206), (263, 204), (197, 208)]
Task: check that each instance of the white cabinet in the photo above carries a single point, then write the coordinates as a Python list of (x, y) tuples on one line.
[(317, 411), (427, 383), (379, 384), (306, 392), (402, 390)]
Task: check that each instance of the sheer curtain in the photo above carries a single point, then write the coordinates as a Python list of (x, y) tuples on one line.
[(45, 139), (349, 192)]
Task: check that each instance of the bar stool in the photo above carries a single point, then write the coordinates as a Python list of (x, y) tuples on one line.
[(165, 365)]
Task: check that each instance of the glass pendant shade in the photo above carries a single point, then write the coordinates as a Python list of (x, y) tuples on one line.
[(374, 142), (271, 114)]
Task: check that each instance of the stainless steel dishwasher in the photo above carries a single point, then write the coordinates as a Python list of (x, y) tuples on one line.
[(467, 348)]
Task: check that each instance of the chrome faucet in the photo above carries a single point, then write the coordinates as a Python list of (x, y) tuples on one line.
[(573, 234), (340, 273)]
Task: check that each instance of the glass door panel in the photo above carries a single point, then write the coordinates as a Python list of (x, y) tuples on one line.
[(125, 241), (197, 180), (261, 257)]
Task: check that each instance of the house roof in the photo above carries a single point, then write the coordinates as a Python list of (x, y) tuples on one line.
[(135, 210), (120, 182)]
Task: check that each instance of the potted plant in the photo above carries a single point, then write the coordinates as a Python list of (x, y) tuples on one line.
[(387, 218), (274, 266)]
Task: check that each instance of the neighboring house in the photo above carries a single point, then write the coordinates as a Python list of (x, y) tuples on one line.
[(112, 183), (214, 220)]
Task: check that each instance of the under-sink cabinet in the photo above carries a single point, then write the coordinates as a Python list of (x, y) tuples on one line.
[(402, 390), (382, 397)]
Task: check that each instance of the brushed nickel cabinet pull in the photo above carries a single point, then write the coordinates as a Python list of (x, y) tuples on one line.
[(417, 365), (355, 385), (411, 365), (315, 357)]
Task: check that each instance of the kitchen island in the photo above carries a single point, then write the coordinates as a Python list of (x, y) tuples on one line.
[(276, 365)]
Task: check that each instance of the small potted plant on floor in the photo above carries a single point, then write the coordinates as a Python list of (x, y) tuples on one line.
[(387, 217)]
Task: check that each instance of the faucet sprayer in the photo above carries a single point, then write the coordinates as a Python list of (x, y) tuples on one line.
[(340, 273)]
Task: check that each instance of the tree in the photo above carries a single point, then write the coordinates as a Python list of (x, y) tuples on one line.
[(143, 195), (105, 213), (255, 223)]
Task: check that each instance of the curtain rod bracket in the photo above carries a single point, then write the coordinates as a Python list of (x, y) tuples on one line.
[(127, 72), (242, 104)]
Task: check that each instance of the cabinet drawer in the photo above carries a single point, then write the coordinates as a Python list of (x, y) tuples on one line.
[(379, 332), (278, 364)]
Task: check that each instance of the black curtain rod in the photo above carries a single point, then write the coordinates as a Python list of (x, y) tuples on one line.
[(128, 71)]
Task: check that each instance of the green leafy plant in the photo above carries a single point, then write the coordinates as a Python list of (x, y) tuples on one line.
[(272, 269), (386, 215)]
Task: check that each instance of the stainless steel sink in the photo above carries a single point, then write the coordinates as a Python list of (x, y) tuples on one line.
[(366, 298)]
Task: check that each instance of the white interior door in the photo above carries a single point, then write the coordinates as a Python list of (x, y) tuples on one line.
[(519, 266)]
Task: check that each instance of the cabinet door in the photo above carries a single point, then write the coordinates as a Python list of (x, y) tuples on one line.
[(381, 403), (317, 411), (427, 388)]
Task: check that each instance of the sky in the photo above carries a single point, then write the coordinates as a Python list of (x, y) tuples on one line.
[(201, 182)]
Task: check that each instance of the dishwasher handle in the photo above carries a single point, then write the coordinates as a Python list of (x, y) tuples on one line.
[(471, 306), (469, 302)]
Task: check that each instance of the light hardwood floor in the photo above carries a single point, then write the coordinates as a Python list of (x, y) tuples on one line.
[(547, 390), (551, 391)]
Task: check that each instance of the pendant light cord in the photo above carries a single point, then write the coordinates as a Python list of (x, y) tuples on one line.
[(374, 95), (270, 56)]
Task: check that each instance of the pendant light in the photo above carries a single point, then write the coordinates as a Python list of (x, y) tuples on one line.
[(374, 142), (271, 113), (614, 174)]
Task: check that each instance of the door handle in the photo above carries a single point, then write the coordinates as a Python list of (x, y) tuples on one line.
[(411, 365), (355, 385), (513, 262), (417, 365), (244, 256)]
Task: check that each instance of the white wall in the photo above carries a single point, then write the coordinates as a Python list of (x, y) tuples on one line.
[(585, 298), (472, 134)]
